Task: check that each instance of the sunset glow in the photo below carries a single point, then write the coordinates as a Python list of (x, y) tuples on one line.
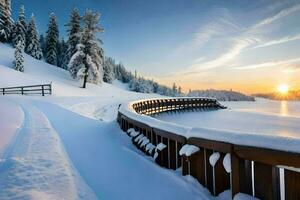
[(283, 88)]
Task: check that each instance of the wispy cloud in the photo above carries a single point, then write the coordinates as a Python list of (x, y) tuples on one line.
[(242, 39), (283, 13), (220, 27), (238, 46), (278, 41), (280, 63)]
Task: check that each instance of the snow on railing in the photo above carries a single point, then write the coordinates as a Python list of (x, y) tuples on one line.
[(219, 160)]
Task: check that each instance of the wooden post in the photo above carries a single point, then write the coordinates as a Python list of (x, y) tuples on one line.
[(50, 88), (172, 154), (266, 181), (222, 178), (22, 90), (198, 166), (3, 91), (43, 93), (209, 171), (292, 184), (241, 175)]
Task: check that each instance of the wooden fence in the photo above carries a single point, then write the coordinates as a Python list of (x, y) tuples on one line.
[(43, 90), (264, 173)]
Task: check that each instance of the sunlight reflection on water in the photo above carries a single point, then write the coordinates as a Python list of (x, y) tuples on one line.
[(284, 109)]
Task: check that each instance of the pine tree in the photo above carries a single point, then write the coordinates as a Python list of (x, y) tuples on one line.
[(94, 53), (18, 34), (33, 46), (76, 65), (74, 35), (19, 57), (108, 75), (62, 52), (6, 22), (19, 29), (52, 40), (43, 44)]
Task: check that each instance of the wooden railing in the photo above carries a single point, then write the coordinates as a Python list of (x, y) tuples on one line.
[(261, 172), (43, 90)]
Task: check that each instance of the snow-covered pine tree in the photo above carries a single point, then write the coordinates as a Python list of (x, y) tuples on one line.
[(52, 40), (108, 74), (6, 21), (61, 53), (19, 57), (62, 48), (18, 34), (74, 35), (33, 46), (77, 63), (19, 29), (43, 44), (94, 53)]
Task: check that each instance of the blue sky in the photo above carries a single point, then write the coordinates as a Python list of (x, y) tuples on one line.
[(246, 45)]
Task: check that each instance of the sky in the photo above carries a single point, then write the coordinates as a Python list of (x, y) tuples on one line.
[(244, 45)]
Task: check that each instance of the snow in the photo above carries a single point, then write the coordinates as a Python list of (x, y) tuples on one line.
[(69, 145), (11, 120), (227, 163), (37, 163), (241, 196), (188, 150), (264, 123), (160, 146), (150, 147), (213, 159)]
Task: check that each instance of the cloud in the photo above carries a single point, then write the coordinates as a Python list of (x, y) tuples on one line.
[(278, 41), (283, 13), (269, 64), (220, 27), (228, 32)]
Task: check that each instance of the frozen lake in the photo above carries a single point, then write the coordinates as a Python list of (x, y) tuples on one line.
[(263, 117)]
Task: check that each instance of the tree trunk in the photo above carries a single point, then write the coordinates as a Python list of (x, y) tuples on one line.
[(85, 77)]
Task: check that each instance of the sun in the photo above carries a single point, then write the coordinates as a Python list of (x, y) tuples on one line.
[(283, 88)]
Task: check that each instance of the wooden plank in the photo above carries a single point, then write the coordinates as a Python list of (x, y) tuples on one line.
[(292, 184), (222, 178), (179, 160), (210, 144), (268, 156), (185, 166), (165, 153), (172, 149), (209, 171), (170, 135), (266, 181), (197, 166)]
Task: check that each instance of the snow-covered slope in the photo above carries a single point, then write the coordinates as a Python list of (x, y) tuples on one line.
[(69, 146), (39, 72)]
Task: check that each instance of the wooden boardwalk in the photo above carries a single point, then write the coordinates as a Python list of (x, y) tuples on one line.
[(254, 170)]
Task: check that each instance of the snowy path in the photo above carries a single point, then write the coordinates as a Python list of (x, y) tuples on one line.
[(109, 163), (36, 166)]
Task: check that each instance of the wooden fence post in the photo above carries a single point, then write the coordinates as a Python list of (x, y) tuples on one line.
[(292, 184), (43, 93)]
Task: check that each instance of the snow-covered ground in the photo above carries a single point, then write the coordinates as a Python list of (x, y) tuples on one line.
[(267, 123), (69, 145)]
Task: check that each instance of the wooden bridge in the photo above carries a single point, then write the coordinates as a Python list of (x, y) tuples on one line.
[(45, 89), (261, 172)]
